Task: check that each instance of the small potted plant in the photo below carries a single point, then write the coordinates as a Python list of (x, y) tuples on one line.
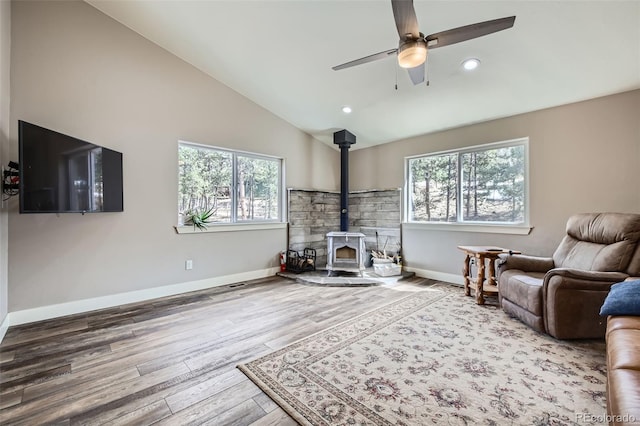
[(199, 218)]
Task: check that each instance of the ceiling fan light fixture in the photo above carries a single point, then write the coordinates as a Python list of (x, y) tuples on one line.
[(412, 53)]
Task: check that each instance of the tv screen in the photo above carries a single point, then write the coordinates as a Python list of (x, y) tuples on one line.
[(62, 174)]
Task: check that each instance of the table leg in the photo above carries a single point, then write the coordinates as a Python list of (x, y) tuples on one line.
[(465, 274), (480, 281), (492, 271)]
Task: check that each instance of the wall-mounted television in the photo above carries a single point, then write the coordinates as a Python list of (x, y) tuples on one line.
[(63, 174)]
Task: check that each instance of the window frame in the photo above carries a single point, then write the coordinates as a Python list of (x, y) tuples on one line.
[(235, 223), (460, 224)]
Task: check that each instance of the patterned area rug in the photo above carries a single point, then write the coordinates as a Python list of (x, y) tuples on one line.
[(435, 357)]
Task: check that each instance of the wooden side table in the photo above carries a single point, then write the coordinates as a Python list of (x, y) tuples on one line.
[(481, 253)]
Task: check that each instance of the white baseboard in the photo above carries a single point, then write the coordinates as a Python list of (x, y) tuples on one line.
[(436, 275), (86, 305)]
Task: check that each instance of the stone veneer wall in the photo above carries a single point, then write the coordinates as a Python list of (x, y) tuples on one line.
[(312, 214)]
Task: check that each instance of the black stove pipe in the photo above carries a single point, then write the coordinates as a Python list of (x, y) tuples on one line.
[(344, 139)]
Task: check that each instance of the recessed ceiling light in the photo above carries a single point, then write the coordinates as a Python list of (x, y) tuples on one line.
[(471, 64), (346, 109)]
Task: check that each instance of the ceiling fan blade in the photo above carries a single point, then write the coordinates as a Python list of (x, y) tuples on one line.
[(405, 16), (468, 32), (366, 59), (417, 74)]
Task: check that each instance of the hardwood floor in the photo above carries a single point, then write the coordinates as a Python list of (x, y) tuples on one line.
[(170, 361)]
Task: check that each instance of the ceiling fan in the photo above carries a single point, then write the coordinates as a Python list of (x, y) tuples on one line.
[(413, 45)]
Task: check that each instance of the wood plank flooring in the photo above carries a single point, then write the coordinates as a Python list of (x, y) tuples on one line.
[(170, 361)]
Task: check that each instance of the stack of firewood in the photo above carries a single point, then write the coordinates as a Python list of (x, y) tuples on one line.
[(382, 255)]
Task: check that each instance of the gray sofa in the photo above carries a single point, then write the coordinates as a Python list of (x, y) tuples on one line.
[(561, 295)]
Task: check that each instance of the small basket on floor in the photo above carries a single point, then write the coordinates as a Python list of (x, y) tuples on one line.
[(304, 261)]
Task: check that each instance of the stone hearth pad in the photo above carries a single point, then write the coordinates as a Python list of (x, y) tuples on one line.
[(321, 277)]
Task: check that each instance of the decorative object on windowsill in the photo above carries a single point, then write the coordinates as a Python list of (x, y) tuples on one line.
[(199, 218)]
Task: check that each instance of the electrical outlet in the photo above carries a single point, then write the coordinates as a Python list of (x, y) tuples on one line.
[(188, 265)]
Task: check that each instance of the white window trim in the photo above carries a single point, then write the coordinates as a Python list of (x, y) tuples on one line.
[(241, 225), (489, 228), (520, 228)]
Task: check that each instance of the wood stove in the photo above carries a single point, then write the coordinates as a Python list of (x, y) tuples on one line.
[(345, 252)]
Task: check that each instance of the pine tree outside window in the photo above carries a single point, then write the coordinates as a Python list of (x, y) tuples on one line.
[(240, 187), (484, 184)]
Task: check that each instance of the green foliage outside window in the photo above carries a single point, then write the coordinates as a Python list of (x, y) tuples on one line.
[(479, 185), (207, 182)]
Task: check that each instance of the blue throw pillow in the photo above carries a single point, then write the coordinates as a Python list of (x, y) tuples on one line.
[(623, 299)]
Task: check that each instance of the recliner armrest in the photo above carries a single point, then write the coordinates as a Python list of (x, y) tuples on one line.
[(609, 277), (572, 300), (524, 262)]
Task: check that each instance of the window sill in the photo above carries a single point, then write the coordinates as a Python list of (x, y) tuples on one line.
[(230, 227), (470, 227)]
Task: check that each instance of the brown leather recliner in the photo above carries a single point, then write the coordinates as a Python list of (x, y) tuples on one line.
[(562, 295)]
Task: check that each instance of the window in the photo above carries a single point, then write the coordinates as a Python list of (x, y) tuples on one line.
[(483, 184), (237, 186)]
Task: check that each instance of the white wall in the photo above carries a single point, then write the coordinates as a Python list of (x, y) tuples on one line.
[(5, 59), (584, 157), (77, 71)]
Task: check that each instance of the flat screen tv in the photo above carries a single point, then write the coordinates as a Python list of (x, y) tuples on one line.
[(62, 174)]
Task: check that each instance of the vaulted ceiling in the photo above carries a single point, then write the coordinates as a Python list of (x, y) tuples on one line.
[(279, 53)]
